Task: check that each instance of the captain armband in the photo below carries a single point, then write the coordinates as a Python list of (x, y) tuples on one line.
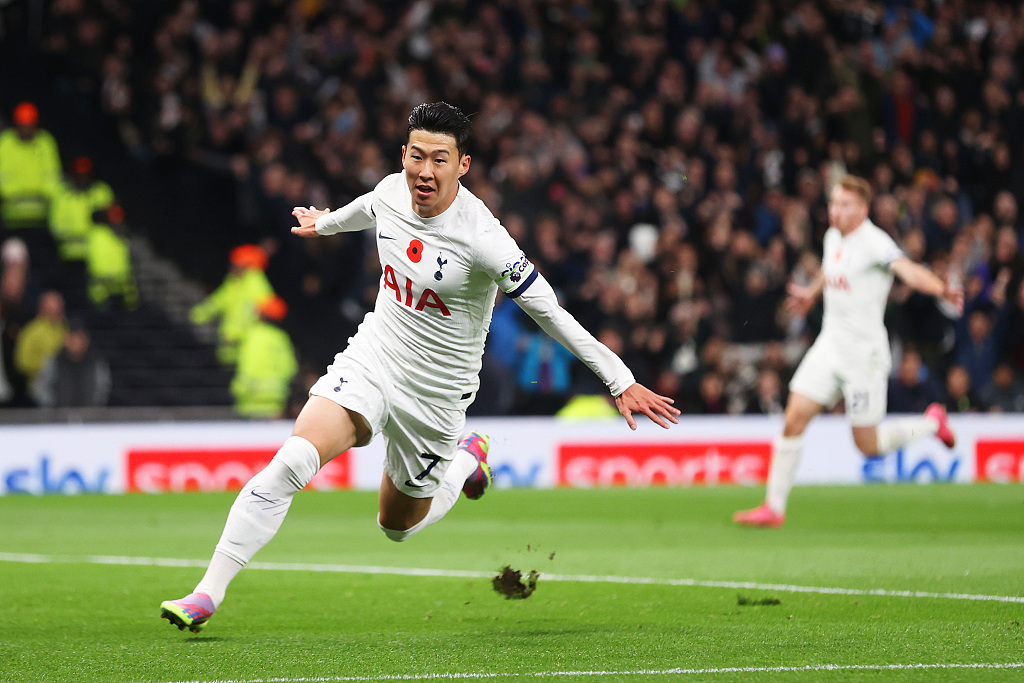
[(517, 276)]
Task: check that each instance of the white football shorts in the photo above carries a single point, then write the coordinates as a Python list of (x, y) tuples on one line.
[(862, 379), (420, 438)]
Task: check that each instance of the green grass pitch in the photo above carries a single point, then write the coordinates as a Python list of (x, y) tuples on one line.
[(71, 619)]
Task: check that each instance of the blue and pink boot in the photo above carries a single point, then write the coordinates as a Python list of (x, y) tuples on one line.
[(191, 611), (476, 483)]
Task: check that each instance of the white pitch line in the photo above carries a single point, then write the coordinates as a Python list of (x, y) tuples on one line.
[(638, 672), (469, 574)]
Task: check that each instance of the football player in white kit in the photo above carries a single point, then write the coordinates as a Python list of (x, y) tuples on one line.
[(411, 370), (850, 358)]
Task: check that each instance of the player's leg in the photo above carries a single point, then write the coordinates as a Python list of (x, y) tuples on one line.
[(786, 453), (322, 431), (402, 516), (426, 468), (894, 433), (866, 396), (814, 386)]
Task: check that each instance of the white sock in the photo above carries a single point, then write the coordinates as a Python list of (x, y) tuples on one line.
[(447, 494), (893, 434), (258, 512), (219, 574), (785, 458)]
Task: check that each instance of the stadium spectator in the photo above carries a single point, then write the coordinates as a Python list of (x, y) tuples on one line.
[(41, 337), (912, 390), (234, 302), (768, 397), (1005, 393), (543, 378), (980, 338), (19, 293), (266, 364), (960, 394), (76, 377)]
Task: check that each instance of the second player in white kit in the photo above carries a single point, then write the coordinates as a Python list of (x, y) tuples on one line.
[(850, 359)]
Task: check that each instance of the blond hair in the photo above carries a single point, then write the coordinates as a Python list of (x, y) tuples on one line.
[(857, 185)]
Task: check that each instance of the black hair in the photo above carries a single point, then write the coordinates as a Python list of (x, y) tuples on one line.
[(443, 118)]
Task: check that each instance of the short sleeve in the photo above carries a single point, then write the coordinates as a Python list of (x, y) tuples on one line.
[(885, 250), (503, 261)]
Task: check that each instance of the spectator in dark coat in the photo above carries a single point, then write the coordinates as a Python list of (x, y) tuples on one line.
[(77, 377), (912, 389)]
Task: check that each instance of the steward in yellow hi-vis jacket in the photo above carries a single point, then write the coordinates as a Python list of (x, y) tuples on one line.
[(266, 364), (108, 260), (74, 203), (235, 301), (29, 170)]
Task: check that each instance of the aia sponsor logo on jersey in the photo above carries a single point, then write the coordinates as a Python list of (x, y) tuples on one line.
[(428, 298), (837, 281)]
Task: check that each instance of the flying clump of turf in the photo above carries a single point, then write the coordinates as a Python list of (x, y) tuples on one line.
[(509, 582)]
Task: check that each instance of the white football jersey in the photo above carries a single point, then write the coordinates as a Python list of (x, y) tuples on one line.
[(858, 277), (440, 279)]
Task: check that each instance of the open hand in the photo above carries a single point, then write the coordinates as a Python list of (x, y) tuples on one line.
[(307, 220), (639, 399), (954, 294), (800, 301)]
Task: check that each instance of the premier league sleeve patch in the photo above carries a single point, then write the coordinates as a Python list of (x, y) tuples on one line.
[(517, 276)]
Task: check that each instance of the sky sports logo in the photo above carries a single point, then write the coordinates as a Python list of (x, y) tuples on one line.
[(670, 464), (217, 469)]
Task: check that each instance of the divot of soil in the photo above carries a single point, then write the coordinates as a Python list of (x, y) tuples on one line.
[(509, 582)]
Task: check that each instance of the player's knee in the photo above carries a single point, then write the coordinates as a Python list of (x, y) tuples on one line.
[(396, 535), (793, 426), (399, 535)]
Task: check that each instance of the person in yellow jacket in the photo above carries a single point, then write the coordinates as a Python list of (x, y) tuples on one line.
[(266, 364), (588, 407), (234, 302), (108, 260), (29, 170), (42, 337), (75, 202)]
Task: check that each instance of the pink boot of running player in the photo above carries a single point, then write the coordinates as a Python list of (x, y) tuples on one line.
[(761, 516), (937, 412)]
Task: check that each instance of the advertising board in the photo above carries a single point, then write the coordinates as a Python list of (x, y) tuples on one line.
[(525, 452)]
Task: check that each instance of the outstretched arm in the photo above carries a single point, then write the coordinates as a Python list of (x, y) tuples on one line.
[(356, 215), (919, 278), (540, 303)]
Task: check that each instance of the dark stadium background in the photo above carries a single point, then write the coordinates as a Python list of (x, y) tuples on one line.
[(664, 163)]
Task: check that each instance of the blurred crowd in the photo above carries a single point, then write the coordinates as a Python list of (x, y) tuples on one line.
[(58, 231), (665, 163)]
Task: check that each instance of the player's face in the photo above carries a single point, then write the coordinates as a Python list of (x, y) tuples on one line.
[(432, 168), (846, 210)]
